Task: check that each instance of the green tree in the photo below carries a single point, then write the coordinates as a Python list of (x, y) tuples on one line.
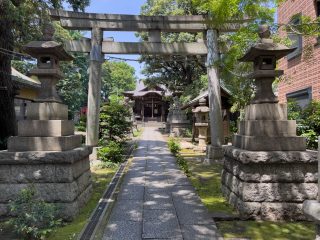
[(20, 22), (117, 77), (114, 120), (73, 88), (175, 72), (181, 72)]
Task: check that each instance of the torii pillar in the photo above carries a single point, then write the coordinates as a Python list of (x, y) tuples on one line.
[(94, 91), (214, 150)]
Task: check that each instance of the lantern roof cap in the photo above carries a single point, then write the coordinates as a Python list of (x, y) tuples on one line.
[(202, 108), (266, 47), (41, 48)]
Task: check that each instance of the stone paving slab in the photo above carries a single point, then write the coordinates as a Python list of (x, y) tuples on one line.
[(156, 200), (124, 230), (127, 210)]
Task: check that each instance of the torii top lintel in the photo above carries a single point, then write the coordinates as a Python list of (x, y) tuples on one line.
[(117, 22), (135, 23)]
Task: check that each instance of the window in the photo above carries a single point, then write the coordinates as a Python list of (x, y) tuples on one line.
[(295, 38), (302, 97)]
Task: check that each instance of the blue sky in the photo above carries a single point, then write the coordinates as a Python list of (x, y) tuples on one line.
[(120, 7)]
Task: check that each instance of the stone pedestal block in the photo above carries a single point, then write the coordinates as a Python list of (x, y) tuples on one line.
[(47, 111), (269, 185), (62, 143), (62, 178), (266, 111), (177, 128), (45, 128), (268, 128), (265, 143), (213, 154)]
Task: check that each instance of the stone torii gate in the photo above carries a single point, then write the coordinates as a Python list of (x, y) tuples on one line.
[(154, 25)]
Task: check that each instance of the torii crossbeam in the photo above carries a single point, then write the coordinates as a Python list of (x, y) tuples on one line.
[(97, 23)]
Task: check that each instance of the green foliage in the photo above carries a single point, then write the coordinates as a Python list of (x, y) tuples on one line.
[(176, 72), (294, 110), (73, 88), (189, 74), (117, 77), (34, 219), (137, 133), (264, 230), (183, 165), (308, 121), (207, 181), (82, 125), (114, 124), (22, 66), (112, 152), (174, 146)]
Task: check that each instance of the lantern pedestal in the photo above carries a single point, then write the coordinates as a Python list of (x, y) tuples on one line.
[(203, 136), (46, 153), (214, 154), (267, 130), (268, 173)]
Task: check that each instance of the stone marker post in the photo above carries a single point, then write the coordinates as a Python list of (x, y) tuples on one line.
[(214, 150), (94, 91)]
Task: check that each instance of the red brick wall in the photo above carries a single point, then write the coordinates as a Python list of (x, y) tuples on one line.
[(299, 73)]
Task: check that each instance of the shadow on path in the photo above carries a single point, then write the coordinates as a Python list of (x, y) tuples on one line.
[(156, 200)]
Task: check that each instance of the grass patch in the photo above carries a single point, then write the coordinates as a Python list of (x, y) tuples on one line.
[(267, 230), (100, 179), (207, 181)]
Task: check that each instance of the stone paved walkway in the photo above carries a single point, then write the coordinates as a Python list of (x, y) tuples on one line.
[(156, 200)]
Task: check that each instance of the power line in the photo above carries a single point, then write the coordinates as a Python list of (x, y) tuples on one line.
[(15, 54)]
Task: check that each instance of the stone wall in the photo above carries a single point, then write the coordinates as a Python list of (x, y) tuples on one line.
[(62, 178), (269, 185)]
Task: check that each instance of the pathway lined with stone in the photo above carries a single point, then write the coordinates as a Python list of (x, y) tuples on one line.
[(156, 200)]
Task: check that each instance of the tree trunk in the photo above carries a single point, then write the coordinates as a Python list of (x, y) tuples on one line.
[(7, 90)]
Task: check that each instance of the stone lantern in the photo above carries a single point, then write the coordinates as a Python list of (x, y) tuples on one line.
[(48, 54), (46, 152), (202, 122), (264, 56), (266, 126), (267, 173)]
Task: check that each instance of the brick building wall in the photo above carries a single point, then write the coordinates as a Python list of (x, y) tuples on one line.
[(300, 74)]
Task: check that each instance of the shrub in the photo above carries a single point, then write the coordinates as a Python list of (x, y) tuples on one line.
[(174, 146), (114, 124), (34, 219), (308, 121), (111, 153), (81, 126), (183, 165)]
